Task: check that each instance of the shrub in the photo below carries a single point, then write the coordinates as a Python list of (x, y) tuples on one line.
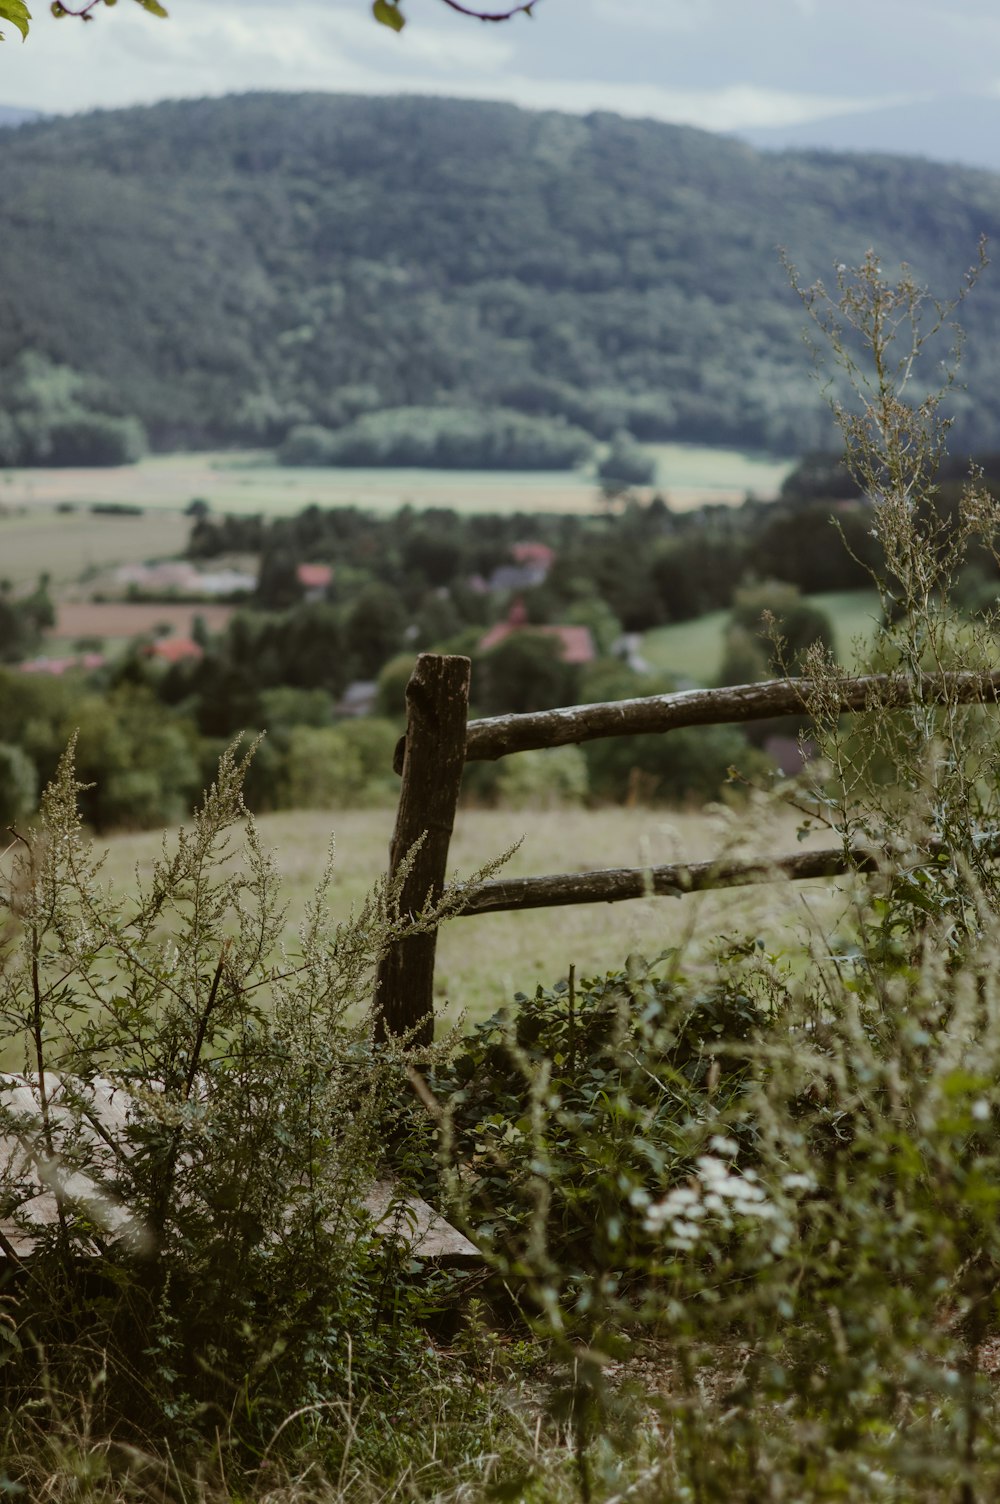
[(341, 767), (609, 1090), (212, 1255), (691, 764), (18, 784), (542, 780), (781, 626), (94, 439), (307, 444)]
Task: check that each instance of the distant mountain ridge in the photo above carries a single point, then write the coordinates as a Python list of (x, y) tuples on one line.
[(957, 129), (11, 115), (232, 269)]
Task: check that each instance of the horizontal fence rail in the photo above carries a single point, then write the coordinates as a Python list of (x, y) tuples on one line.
[(614, 884), (500, 735), (440, 739)]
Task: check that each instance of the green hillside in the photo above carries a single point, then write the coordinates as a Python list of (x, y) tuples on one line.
[(228, 270)]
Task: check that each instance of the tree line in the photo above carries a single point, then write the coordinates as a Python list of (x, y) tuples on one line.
[(289, 271)]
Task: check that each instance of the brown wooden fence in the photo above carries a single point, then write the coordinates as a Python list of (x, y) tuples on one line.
[(440, 739)]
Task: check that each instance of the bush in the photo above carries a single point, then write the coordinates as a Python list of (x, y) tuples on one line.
[(18, 785), (526, 671), (81, 438), (308, 444), (771, 631), (691, 764), (341, 767), (212, 1257), (543, 780), (613, 1086), (94, 439)]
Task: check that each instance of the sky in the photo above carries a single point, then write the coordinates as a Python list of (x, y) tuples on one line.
[(726, 65)]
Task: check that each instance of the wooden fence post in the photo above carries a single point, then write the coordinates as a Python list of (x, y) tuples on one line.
[(437, 708)]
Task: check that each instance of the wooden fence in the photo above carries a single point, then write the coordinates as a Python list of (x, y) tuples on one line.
[(440, 739)]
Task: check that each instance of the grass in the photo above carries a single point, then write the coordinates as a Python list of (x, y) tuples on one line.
[(725, 475), (483, 961), (69, 546), (250, 482), (693, 649)]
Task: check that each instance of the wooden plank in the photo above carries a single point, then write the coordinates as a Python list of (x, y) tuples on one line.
[(437, 706), (97, 1115), (499, 736), (615, 884), (93, 1113), (424, 1231)]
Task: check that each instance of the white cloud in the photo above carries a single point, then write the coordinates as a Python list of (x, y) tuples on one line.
[(734, 107), (682, 17), (718, 64), (217, 46)]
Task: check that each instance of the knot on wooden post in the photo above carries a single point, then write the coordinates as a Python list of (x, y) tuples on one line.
[(430, 759)]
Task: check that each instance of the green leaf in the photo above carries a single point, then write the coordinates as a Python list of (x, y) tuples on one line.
[(388, 13), (17, 13), (153, 6)]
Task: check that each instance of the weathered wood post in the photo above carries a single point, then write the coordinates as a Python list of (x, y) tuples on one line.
[(437, 708)]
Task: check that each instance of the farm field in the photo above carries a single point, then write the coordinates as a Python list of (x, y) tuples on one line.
[(122, 620), (690, 475), (71, 545), (483, 961), (693, 649)]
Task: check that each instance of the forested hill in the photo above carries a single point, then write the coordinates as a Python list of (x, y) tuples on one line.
[(227, 269)]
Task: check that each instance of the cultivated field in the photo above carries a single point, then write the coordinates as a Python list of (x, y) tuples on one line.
[(74, 546), (482, 962), (122, 620), (690, 475)]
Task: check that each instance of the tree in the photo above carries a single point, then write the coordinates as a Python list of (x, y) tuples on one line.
[(386, 12), (524, 672), (626, 464), (770, 630)]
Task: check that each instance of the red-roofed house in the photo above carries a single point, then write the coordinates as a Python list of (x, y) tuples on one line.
[(314, 579), (173, 649), (576, 642), (533, 553)]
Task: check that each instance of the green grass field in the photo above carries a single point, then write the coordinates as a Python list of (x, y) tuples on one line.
[(693, 649), (483, 961), (72, 546), (250, 482)]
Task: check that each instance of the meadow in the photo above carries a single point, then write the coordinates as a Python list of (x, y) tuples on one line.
[(74, 548), (691, 475), (693, 649), (482, 962)]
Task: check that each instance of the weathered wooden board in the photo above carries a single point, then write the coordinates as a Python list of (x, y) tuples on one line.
[(498, 736), (34, 1181)]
